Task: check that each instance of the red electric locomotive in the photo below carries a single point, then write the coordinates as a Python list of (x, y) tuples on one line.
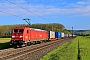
[(26, 35)]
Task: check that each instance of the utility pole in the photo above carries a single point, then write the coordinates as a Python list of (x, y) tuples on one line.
[(52, 26), (28, 21), (72, 31)]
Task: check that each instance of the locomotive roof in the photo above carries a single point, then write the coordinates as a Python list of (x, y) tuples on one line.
[(29, 28), (37, 29), (20, 27)]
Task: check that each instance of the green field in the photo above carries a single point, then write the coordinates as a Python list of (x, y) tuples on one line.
[(69, 50), (3, 40), (4, 43), (85, 48)]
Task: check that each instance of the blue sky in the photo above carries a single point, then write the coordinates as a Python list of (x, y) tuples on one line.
[(70, 13)]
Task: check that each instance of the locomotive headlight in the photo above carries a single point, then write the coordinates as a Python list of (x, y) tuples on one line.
[(13, 36), (21, 36)]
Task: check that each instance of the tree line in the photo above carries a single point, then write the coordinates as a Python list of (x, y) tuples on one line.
[(6, 30)]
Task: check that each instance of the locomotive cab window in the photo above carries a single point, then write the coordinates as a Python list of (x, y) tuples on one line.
[(15, 31), (21, 31), (27, 31)]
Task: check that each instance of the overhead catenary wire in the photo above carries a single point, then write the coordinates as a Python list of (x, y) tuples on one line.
[(28, 10), (11, 14), (14, 15), (37, 9), (26, 18), (32, 5)]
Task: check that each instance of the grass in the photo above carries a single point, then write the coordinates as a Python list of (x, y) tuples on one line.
[(5, 45), (3, 40), (69, 50), (84, 44)]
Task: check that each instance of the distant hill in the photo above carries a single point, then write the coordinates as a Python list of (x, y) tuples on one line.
[(81, 31)]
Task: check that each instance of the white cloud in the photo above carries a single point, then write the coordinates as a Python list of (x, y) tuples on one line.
[(17, 1), (80, 2), (44, 10)]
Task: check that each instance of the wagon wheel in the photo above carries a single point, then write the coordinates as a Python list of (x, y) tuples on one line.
[(20, 46), (28, 43), (15, 46)]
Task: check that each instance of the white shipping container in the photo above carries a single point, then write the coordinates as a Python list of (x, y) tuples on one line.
[(62, 34), (65, 35), (74, 35), (52, 34), (70, 35)]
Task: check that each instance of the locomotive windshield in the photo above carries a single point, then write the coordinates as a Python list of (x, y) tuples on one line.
[(18, 31), (15, 31)]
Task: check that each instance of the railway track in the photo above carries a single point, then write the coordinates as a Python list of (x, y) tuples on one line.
[(34, 52)]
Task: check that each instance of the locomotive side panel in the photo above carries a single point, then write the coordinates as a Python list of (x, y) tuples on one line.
[(35, 35), (26, 35)]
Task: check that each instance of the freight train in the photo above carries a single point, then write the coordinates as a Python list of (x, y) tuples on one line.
[(27, 36)]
